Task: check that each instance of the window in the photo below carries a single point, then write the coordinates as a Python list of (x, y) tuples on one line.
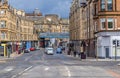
[(102, 22), (2, 12), (110, 23), (17, 24), (106, 5), (2, 24), (3, 34), (109, 5), (95, 26), (102, 5)]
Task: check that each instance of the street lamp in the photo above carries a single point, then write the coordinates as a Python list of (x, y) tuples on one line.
[(115, 49)]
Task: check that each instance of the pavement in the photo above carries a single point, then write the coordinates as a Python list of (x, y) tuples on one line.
[(92, 58), (12, 56)]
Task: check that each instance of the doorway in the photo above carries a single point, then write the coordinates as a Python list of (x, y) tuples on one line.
[(107, 52)]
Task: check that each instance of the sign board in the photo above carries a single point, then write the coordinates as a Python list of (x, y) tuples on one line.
[(116, 42)]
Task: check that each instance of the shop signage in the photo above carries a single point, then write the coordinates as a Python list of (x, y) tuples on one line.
[(116, 42)]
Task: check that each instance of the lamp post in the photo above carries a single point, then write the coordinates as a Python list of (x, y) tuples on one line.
[(115, 49), (9, 49)]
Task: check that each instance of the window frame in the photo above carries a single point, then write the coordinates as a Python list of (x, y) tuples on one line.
[(108, 19), (2, 12), (2, 24), (3, 35), (102, 4), (111, 6), (101, 25)]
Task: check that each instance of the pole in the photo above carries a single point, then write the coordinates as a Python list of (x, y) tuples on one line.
[(8, 52), (115, 49)]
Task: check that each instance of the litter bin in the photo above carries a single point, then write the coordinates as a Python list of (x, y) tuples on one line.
[(83, 56)]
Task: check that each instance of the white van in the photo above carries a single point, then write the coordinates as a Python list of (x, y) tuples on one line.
[(49, 50)]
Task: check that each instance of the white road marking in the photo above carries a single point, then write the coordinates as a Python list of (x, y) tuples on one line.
[(68, 71), (14, 76), (47, 68), (10, 68)]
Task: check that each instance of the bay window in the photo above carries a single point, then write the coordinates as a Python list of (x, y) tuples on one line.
[(102, 22), (110, 22)]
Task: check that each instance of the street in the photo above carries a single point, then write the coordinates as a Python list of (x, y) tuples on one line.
[(37, 64)]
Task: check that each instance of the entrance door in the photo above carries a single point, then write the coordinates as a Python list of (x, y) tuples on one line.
[(107, 52)]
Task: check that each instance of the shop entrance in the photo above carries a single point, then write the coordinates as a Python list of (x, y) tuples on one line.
[(107, 52)]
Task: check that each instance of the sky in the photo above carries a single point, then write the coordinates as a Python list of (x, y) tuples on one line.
[(60, 7)]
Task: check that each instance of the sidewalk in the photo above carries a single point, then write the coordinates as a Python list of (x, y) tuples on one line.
[(91, 58), (100, 59), (12, 56)]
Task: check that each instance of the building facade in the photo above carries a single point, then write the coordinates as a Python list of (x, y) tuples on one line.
[(79, 23), (107, 32), (98, 27), (16, 31), (50, 25)]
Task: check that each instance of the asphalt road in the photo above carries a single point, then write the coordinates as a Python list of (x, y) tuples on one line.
[(37, 64)]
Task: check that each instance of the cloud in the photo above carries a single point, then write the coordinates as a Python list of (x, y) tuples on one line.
[(60, 7)]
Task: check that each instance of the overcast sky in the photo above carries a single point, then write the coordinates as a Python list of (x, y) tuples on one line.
[(60, 7)]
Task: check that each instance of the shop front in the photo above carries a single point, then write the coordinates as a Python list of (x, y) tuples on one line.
[(108, 45)]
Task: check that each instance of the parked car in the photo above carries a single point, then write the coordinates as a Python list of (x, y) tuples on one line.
[(26, 51), (32, 49), (49, 50), (58, 50)]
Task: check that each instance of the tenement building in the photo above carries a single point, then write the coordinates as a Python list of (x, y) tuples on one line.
[(16, 31), (76, 26), (49, 27), (107, 28), (99, 26)]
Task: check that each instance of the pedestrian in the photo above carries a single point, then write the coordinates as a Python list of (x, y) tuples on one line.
[(69, 51), (75, 53)]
